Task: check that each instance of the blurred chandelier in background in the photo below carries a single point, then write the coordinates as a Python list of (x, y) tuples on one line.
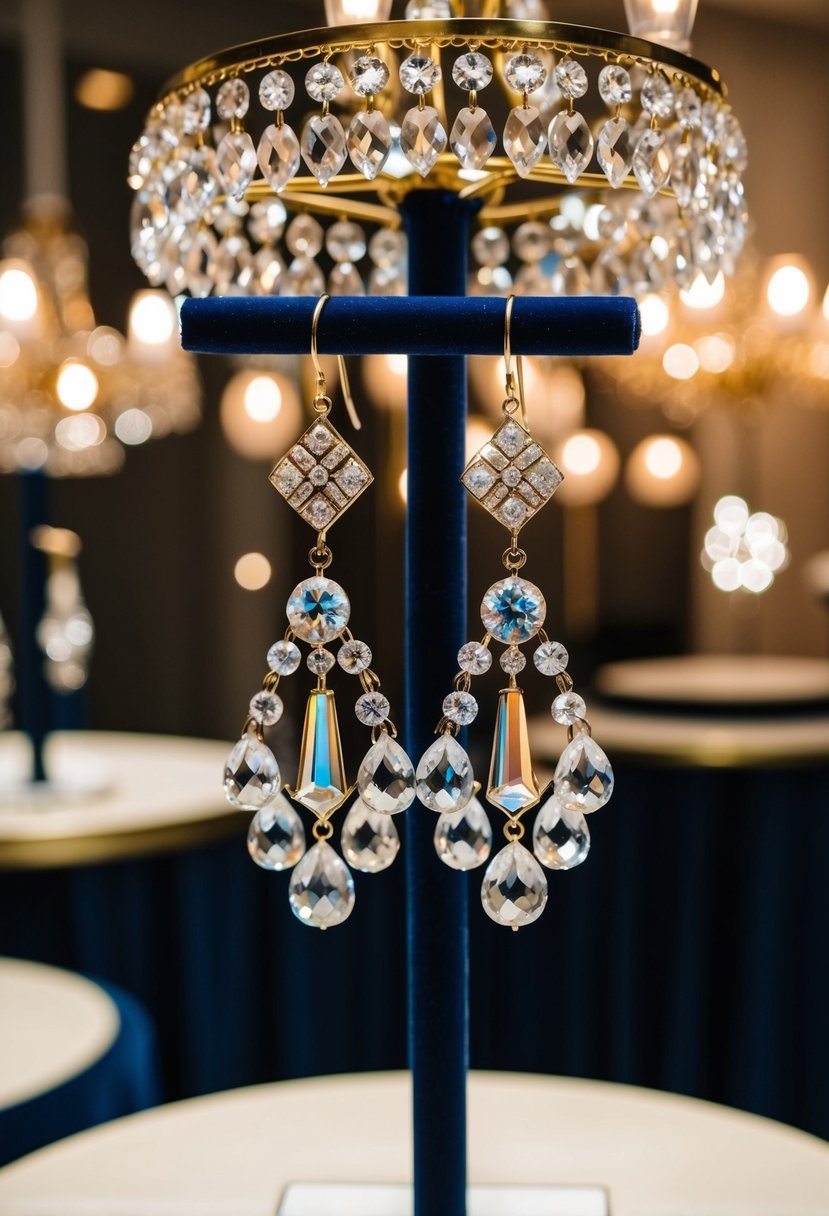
[(73, 392), (619, 159)]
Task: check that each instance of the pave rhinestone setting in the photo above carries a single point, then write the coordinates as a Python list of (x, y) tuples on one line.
[(321, 476), (512, 476)]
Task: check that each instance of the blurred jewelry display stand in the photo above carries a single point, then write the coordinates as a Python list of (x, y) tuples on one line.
[(437, 333)]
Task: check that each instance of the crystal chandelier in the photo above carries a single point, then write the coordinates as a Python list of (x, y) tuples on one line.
[(279, 167), (73, 392)]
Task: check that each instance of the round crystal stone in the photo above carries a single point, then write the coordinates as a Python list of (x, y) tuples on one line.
[(276, 90), (512, 661), (472, 71), (531, 241), (354, 657), (567, 707), (346, 241), (419, 74), (251, 776), (233, 99), (614, 85), (284, 658), (323, 82), (266, 220), (321, 893), (276, 837), (511, 476), (475, 658), (571, 78), (195, 112), (514, 890), (688, 109), (318, 609), (525, 73), (368, 75), (372, 708), (320, 661), (266, 707), (303, 237), (318, 476), (513, 610), (460, 707), (463, 839), (561, 837), (657, 97), (490, 247), (369, 839), (386, 248), (551, 658)]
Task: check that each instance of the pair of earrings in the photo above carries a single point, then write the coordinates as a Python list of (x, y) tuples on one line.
[(513, 478)]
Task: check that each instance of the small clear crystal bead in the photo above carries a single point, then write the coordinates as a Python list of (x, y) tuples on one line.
[(321, 892), (419, 74), (345, 241), (657, 97), (233, 99), (614, 85), (561, 837), (354, 656), (369, 839), (368, 75), (266, 220), (551, 658), (387, 247), (514, 890), (688, 109), (276, 837), (472, 71), (320, 661), (475, 658), (512, 661), (284, 658), (276, 90), (567, 707), (195, 112), (525, 72), (460, 707), (372, 708), (571, 78), (324, 81), (266, 707), (531, 242), (463, 839), (304, 236)]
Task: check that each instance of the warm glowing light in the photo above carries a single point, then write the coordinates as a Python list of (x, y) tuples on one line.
[(133, 427), (76, 385), (403, 486), (715, 352), (259, 413), (100, 89), (654, 313), (9, 349), (668, 22), (664, 7), (581, 455), (478, 432), (152, 318), (663, 457), (398, 365), (744, 551), (590, 463), (18, 294), (788, 290), (662, 471), (263, 398), (702, 294), (386, 380), (252, 571), (731, 513), (726, 574), (680, 361), (80, 431), (826, 304), (346, 12)]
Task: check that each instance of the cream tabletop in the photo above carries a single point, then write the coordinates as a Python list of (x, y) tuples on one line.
[(118, 795), (232, 1154), (53, 1026)]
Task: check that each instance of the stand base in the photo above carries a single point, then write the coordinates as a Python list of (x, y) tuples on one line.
[(381, 1199)]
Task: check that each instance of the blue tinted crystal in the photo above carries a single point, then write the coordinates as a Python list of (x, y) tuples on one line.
[(318, 610), (513, 610)]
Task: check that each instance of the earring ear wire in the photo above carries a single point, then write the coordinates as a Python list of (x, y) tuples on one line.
[(322, 387), (513, 381)]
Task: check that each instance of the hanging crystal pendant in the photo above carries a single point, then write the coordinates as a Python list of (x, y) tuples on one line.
[(278, 155), (514, 890), (321, 893), (251, 776), (512, 784), (444, 775), (369, 142), (571, 144), (321, 784), (323, 146), (463, 839), (685, 174), (386, 777), (652, 161), (524, 138), (561, 837), (472, 138), (369, 839), (422, 138), (276, 837), (614, 150), (583, 777), (236, 162)]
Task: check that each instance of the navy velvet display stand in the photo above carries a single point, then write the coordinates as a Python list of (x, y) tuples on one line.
[(438, 332), (36, 697)]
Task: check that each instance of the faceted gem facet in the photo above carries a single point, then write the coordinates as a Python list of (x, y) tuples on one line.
[(320, 661), (514, 890), (460, 707), (321, 476), (233, 99), (524, 138), (571, 78), (475, 658), (276, 837), (324, 81), (583, 777), (354, 656), (386, 779), (511, 476), (614, 150), (657, 97), (551, 658), (685, 174), (444, 775), (195, 112), (422, 138), (463, 838), (251, 776), (369, 839), (419, 74), (561, 837), (372, 709), (321, 893), (318, 609), (276, 90), (571, 144), (236, 162), (472, 71), (614, 85), (369, 142), (321, 783), (512, 784), (513, 610), (472, 137), (368, 75), (284, 658), (525, 72), (278, 155), (512, 661), (323, 146), (652, 161), (266, 707), (567, 708)]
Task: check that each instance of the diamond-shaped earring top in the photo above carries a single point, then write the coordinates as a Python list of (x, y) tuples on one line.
[(512, 476), (321, 476)]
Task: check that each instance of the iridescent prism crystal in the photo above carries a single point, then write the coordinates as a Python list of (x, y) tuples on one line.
[(561, 837), (514, 890), (321, 784), (512, 784), (512, 476), (251, 776), (321, 476), (321, 893), (369, 839), (463, 838), (386, 777), (276, 837), (444, 775), (583, 777)]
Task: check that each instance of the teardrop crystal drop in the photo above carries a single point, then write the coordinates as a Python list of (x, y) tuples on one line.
[(512, 784), (571, 143), (583, 777), (369, 839), (251, 776), (422, 138), (369, 142), (472, 138), (524, 138), (652, 161), (685, 174), (463, 839), (276, 837), (514, 890), (386, 779), (614, 150), (278, 155), (321, 893), (236, 162), (561, 837), (323, 146), (444, 776)]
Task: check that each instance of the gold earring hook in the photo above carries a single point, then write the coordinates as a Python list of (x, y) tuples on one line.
[(322, 387), (513, 382)]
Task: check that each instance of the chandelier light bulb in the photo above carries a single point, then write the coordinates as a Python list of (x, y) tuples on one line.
[(263, 398), (654, 314), (403, 486), (18, 293), (662, 471), (259, 412), (788, 290), (76, 385), (350, 12), (590, 463), (668, 22), (152, 319), (702, 294), (581, 455), (681, 361)]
